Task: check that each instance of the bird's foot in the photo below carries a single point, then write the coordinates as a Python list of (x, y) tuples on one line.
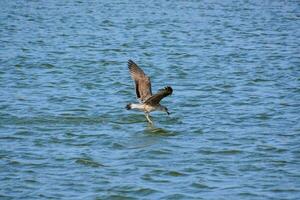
[(149, 119)]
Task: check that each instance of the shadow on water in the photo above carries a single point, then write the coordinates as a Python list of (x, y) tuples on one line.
[(150, 136), (87, 161), (155, 131)]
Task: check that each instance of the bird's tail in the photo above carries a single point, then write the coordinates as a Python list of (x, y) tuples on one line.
[(128, 106)]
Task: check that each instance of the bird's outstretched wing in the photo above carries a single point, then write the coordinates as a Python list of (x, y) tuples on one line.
[(142, 82), (162, 93)]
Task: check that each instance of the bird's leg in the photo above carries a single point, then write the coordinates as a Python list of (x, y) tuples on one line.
[(148, 118)]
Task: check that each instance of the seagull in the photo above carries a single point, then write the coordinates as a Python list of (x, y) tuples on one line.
[(147, 101)]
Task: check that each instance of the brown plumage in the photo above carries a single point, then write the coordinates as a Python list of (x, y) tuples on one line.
[(162, 93), (143, 91), (142, 82)]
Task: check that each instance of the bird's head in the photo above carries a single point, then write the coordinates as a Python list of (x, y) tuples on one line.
[(164, 109)]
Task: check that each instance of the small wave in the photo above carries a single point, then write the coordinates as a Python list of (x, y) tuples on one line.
[(88, 162)]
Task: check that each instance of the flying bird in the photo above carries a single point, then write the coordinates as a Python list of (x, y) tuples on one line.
[(147, 102)]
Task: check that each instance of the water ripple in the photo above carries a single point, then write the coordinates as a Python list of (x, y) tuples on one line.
[(234, 127)]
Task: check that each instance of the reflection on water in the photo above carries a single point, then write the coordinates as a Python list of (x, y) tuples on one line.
[(152, 130)]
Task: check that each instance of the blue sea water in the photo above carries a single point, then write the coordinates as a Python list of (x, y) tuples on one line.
[(234, 128)]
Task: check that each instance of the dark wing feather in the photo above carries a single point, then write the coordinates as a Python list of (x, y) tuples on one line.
[(155, 99), (142, 82)]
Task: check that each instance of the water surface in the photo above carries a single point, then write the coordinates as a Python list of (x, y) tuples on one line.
[(234, 131)]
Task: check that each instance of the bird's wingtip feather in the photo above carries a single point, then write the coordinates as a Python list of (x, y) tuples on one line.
[(168, 89), (130, 62)]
